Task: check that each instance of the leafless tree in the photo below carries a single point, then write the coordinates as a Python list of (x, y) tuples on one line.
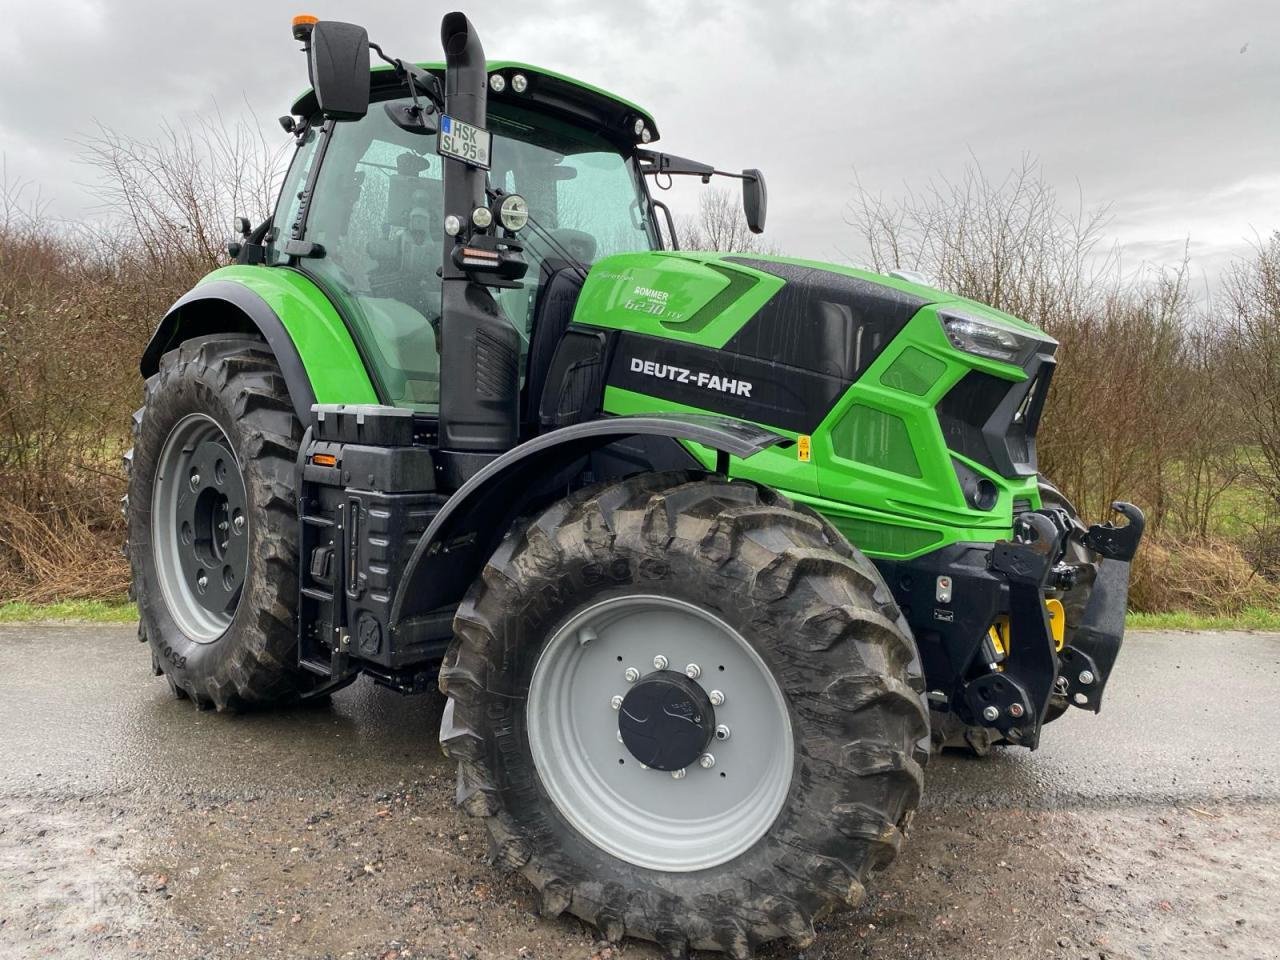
[(179, 191), (1252, 294), (720, 225)]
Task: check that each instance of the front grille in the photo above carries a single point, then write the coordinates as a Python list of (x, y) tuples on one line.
[(993, 422)]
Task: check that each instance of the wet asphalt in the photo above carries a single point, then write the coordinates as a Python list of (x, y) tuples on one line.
[(93, 750), (1187, 717)]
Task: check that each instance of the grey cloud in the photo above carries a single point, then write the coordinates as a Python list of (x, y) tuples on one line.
[(1149, 107)]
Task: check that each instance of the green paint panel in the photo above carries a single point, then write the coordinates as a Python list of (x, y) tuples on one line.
[(692, 298), (328, 354), (914, 372), (877, 438), (887, 539)]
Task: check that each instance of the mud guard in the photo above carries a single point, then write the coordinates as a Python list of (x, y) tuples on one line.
[(453, 549), (203, 310)]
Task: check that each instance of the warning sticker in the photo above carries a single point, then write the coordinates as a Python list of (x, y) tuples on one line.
[(804, 448)]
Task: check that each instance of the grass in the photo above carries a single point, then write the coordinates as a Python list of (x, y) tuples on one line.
[(77, 611), (122, 611), (1255, 618)]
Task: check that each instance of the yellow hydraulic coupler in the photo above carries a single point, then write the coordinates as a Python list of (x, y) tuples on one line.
[(998, 633)]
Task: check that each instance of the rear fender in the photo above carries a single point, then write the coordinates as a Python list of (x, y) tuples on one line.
[(454, 548), (317, 356)]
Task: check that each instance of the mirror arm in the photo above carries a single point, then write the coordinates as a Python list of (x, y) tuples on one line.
[(654, 164), (417, 79)]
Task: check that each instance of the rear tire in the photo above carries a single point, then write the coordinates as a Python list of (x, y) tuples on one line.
[(214, 448), (819, 621)]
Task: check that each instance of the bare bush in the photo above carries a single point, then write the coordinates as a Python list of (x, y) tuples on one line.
[(77, 305), (1252, 295), (1142, 404), (178, 192)]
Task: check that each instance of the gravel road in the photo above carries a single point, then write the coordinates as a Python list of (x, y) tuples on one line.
[(132, 825)]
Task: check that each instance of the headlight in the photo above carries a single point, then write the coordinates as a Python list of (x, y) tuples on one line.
[(513, 212), (995, 341)]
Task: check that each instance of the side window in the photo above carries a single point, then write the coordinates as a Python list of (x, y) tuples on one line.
[(597, 201), (291, 195), (377, 213)]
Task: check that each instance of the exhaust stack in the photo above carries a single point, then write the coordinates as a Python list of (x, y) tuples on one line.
[(479, 348)]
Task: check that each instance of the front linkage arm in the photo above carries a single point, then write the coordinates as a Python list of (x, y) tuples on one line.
[(1015, 700)]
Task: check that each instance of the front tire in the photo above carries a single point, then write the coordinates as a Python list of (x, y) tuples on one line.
[(213, 539), (821, 673)]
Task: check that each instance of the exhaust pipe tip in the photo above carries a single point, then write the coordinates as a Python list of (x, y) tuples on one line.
[(459, 39)]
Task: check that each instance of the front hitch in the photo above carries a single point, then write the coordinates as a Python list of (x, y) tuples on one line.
[(1095, 643), (1015, 699)]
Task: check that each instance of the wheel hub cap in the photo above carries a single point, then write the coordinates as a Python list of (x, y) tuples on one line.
[(666, 720)]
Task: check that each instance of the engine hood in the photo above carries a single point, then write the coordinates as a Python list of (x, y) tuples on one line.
[(706, 297)]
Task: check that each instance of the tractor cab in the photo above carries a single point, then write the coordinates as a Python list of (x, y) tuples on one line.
[(377, 211)]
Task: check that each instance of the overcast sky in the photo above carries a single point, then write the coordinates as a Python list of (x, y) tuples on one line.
[(1168, 111)]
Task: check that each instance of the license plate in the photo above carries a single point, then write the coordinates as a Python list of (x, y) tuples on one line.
[(464, 142)]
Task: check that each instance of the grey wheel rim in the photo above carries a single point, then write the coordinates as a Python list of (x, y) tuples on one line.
[(693, 819), (199, 528)]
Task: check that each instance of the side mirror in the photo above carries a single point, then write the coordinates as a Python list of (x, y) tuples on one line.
[(755, 199), (340, 69)]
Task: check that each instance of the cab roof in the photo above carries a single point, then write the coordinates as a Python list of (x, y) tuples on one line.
[(569, 99)]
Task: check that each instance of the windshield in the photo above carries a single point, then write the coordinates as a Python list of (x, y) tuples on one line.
[(377, 212), (585, 199)]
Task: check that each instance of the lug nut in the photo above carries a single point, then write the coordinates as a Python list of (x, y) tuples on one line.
[(1086, 677), (693, 671), (706, 761), (202, 581), (659, 662), (1016, 710), (990, 714), (632, 674), (195, 481), (238, 523), (616, 703), (717, 698), (678, 774), (722, 732)]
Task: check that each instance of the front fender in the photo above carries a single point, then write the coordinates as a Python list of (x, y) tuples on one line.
[(317, 356), (454, 548)]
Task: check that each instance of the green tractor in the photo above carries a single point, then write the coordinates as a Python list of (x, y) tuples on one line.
[(706, 551)]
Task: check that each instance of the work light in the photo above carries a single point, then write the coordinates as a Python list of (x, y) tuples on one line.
[(513, 212)]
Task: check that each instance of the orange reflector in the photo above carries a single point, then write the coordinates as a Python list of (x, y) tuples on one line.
[(305, 19), (324, 459)]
